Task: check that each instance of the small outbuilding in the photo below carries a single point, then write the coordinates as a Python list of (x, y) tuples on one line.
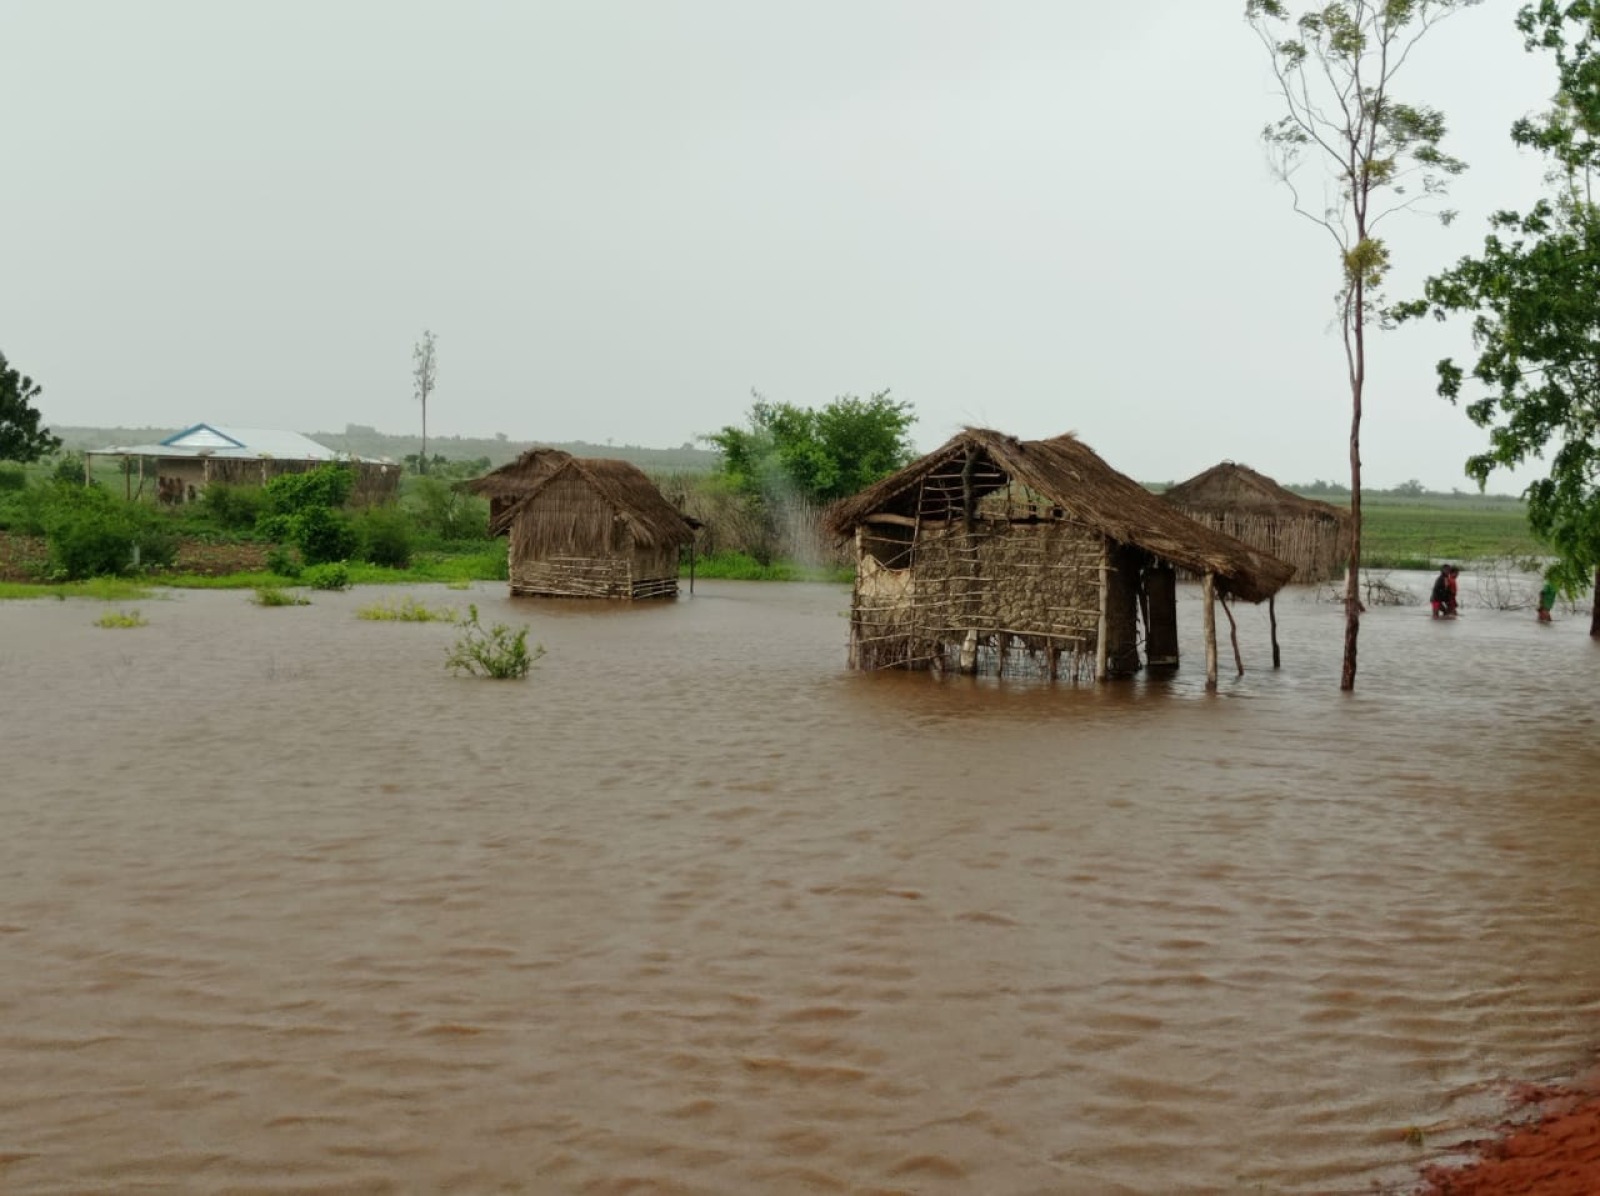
[(1312, 536), (1003, 555), (185, 463), (580, 527)]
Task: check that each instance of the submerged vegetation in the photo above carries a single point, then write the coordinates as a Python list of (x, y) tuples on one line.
[(122, 618), (279, 596), (497, 652), (408, 610)]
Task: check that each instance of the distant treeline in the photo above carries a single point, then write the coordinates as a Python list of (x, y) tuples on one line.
[(369, 442)]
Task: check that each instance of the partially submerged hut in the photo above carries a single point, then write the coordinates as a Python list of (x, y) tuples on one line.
[(993, 553), (1312, 536), (584, 527)]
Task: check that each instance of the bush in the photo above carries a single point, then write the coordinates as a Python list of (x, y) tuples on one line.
[(332, 575), (409, 611), (497, 652), (323, 535), (92, 534), (278, 596), (233, 508), (69, 469), (283, 562), (445, 513), (385, 537), (13, 478), (121, 618), (326, 486)]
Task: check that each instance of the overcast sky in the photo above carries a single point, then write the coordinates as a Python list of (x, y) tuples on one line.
[(620, 217)]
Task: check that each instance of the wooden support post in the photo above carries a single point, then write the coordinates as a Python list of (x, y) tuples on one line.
[(1233, 633), (1208, 604), (1272, 615), (1102, 648)]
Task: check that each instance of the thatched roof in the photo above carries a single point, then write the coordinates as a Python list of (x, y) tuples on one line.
[(621, 485), (1070, 475), (1229, 488), (520, 476)]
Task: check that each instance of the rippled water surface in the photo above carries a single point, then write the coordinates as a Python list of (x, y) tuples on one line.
[(284, 907)]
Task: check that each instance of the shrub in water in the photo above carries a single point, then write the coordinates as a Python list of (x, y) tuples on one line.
[(497, 652), (120, 618), (332, 575), (278, 596), (409, 611)]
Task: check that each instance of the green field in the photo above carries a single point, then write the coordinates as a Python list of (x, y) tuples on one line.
[(1418, 532)]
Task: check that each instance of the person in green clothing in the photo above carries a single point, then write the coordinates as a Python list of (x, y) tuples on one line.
[(1547, 600)]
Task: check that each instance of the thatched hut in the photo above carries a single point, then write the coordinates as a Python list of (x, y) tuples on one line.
[(998, 554), (584, 527), (1312, 536)]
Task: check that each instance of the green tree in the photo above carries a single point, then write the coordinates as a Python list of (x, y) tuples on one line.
[(21, 437), (819, 455), (1534, 297), (1335, 67)]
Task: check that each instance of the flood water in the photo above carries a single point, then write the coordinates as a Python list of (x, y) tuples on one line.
[(284, 907)]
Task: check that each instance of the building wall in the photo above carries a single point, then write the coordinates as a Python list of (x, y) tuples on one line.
[(1021, 586)]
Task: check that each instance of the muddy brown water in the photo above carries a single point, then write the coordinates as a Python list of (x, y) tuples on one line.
[(286, 908)]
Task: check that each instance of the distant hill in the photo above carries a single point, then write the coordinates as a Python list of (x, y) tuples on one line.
[(369, 442)]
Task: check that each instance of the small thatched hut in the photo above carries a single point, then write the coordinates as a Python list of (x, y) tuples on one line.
[(584, 527), (1312, 536), (996, 553)]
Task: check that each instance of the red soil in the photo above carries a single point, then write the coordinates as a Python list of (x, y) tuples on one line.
[(1552, 1148)]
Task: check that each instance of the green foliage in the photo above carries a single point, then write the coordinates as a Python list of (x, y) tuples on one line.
[(21, 437), (284, 562), (497, 652), (409, 610), (1534, 297), (443, 513), (92, 534), (279, 596), (326, 486), (384, 534), (119, 618), (819, 455), (739, 566), (330, 575), (233, 508), (13, 478)]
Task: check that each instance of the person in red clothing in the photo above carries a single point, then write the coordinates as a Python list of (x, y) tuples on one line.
[(1443, 597)]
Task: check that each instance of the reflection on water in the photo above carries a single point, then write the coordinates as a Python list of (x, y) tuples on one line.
[(284, 907)]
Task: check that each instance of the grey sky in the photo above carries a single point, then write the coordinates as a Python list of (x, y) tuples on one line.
[(618, 218)]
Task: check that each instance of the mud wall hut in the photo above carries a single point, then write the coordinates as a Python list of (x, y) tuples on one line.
[(1312, 536), (997, 554), (179, 468), (584, 527)]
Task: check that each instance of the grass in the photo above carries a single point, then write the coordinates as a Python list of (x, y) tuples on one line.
[(105, 589), (122, 618), (408, 611), (279, 596), (1418, 533), (737, 566)]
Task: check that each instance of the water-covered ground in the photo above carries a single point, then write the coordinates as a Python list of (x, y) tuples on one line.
[(285, 907)]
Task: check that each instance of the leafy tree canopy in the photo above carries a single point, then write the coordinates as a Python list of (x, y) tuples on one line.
[(817, 454), (21, 437), (1534, 297)]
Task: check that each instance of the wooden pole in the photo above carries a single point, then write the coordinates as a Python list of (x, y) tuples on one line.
[(1102, 649), (1208, 595), (1233, 632), (1272, 615)]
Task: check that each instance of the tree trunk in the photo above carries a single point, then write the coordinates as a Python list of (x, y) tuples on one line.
[(1594, 618), (422, 461), (1356, 342)]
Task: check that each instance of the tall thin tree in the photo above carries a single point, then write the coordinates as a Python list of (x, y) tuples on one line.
[(1335, 67), (424, 372)]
